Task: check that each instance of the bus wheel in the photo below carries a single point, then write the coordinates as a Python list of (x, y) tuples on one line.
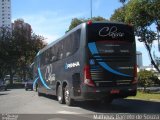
[(39, 94), (60, 95), (68, 100)]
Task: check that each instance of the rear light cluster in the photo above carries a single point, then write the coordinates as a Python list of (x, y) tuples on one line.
[(87, 76), (89, 22), (135, 81)]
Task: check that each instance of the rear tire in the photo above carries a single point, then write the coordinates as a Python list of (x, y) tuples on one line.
[(5, 89), (60, 95), (39, 94), (67, 96)]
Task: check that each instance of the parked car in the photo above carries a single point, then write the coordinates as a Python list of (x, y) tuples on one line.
[(29, 85), (3, 86)]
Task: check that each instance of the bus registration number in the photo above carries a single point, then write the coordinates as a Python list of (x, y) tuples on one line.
[(115, 91)]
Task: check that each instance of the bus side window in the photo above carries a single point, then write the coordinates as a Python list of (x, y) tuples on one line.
[(68, 54), (61, 56), (59, 51), (69, 45), (53, 59), (42, 60)]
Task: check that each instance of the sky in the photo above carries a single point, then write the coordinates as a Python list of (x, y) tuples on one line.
[(51, 18)]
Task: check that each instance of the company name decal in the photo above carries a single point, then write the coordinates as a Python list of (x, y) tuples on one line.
[(125, 67), (110, 32), (72, 65)]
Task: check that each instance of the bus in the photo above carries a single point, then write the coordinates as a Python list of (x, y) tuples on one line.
[(94, 61)]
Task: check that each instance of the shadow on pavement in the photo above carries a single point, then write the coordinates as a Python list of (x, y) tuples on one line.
[(117, 106), (3, 94), (122, 106)]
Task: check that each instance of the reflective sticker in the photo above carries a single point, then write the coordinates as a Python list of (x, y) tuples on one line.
[(92, 62)]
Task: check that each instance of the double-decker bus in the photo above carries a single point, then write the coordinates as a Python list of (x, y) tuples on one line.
[(94, 61)]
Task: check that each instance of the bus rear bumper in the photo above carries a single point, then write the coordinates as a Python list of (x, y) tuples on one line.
[(100, 93)]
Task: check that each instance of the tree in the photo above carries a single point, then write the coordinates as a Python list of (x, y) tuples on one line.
[(8, 54), (18, 47), (143, 14), (76, 21), (119, 15), (122, 1), (28, 44), (5, 42), (147, 79)]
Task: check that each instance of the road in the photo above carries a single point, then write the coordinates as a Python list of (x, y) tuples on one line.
[(19, 101)]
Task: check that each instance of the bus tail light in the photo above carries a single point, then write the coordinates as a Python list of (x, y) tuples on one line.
[(87, 77), (89, 22), (135, 81)]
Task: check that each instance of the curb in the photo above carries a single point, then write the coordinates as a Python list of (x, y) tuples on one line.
[(153, 100)]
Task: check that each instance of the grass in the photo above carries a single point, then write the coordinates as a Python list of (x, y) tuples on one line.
[(146, 96)]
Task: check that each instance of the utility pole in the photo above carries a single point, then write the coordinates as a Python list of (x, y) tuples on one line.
[(91, 7)]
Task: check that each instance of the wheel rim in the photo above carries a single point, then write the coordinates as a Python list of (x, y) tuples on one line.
[(59, 98), (67, 96), (59, 95)]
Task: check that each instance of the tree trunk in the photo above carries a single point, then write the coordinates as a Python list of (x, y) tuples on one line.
[(12, 73), (24, 74), (150, 55), (11, 78)]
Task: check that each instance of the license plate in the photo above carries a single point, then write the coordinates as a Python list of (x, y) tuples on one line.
[(115, 91)]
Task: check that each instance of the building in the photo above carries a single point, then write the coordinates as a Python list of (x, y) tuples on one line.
[(139, 59), (5, 13)]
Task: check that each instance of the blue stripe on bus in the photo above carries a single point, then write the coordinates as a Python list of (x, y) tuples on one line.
[(35, 81), (93, 49), (38, 53), (42, 80)]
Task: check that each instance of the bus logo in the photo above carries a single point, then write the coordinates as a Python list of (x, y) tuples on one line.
[(72, 65), (110, 32)]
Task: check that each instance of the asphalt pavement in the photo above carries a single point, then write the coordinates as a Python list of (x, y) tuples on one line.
[(27, 105)]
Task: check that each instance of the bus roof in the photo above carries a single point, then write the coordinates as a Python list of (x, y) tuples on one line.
[(56, 41), (74, 29)]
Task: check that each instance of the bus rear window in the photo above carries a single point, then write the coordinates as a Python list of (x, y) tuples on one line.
[(109, 32), (112, 47)]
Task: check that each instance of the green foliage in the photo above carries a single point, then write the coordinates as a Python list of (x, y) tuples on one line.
[(119, 15), (76, 21), (144, 78), (147, 79), (99, 18), (6, 50), (122, 1), (138, 12), (18, 47), (146, 96)]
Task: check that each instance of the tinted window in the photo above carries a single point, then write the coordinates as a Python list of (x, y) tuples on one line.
[(62, 49), (110, 31), (71, 43)]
